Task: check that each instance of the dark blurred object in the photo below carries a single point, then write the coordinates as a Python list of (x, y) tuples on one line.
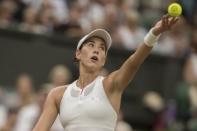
[(194, 40), (18, 15), (189, 10)]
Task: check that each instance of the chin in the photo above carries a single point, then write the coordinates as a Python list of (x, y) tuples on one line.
[(93, 67)]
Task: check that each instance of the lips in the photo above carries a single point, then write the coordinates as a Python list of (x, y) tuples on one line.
[(94, 58)]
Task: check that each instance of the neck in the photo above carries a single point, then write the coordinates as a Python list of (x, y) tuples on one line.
[(86, 77)]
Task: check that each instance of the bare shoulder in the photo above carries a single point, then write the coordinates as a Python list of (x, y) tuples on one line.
[(57, 94)]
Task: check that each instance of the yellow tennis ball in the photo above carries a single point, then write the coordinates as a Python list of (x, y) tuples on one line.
[(174, 9)]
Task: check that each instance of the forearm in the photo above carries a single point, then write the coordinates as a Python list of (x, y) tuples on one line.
[(132, 64)]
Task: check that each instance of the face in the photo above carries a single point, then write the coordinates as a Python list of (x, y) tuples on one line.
[(92, 54), (24, 85)]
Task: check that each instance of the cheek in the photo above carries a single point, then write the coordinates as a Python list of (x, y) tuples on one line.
[(103, 59), (83, 53)]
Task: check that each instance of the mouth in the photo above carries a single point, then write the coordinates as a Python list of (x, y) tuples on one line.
[(94, 59)]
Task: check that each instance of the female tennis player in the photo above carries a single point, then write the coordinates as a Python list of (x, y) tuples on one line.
[(92, 102)]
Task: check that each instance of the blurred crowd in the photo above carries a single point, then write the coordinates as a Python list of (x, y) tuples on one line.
[(128, 21)]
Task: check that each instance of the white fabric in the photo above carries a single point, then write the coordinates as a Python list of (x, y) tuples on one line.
[(150, 39), (57, 126), (99, 33), (26, 117), (3, 115), (88, 109)]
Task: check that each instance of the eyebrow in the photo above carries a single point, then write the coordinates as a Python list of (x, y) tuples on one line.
[(102, 44)]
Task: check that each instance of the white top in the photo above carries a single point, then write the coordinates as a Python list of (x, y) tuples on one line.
[(26, 117), (88, 109)]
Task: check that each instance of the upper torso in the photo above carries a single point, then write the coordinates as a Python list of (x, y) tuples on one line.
[(88, 109)]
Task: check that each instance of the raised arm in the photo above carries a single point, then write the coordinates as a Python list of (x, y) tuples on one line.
[(50, 110), (119, 79)]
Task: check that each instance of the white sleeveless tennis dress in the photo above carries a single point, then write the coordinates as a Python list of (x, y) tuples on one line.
[(88, 109)]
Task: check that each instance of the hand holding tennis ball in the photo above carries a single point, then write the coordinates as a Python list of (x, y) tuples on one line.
[(174, 9)]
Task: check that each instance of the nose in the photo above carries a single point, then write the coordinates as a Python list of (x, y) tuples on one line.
[(96, 51)]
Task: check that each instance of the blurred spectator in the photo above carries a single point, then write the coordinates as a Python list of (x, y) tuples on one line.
[(130, 4), (153, 101), (46, 19), (121, 124), (11, 120), (22, 94), (72, 26), (7, 9), (27, 115), (29, 23), (167, 120), (25, 95), (112, 21), (24, 85), (131, 33), (59, 75), (60, 9), (30, 113), (59, 6), (96, 13), (186, 93)]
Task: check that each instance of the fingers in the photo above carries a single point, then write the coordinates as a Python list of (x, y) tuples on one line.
[(174, 21), (169, 21), (165, 21)]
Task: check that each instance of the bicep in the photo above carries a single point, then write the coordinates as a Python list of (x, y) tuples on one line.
[(48, 115)]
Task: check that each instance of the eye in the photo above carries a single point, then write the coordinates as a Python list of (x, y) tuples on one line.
[(91, 44), (102, 48)]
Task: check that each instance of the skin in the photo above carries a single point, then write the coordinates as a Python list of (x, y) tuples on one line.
[(114, 84)]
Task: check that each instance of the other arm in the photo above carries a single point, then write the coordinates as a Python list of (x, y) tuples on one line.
[(50, 110)]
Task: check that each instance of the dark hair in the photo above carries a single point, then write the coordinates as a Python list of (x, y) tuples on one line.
[(75, 59)]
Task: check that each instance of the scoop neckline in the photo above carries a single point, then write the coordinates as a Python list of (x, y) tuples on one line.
[(79, 89)]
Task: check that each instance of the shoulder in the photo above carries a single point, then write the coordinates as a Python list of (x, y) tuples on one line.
[(57, 94), (58, 90)]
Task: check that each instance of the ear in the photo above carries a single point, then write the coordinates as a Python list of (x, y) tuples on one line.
[(77, 54)]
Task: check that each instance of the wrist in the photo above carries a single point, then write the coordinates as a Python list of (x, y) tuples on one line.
[(151, 38)]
